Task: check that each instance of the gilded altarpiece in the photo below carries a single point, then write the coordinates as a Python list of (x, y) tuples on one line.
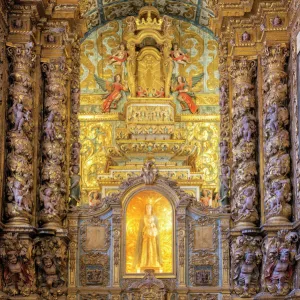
[(149, 90), (190, 260)]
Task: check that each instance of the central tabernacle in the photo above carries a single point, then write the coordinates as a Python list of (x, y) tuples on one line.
[(149, 233)]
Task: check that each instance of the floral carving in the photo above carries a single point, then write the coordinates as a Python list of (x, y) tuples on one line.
[(18, 266), (276, 135), (244, 187), (279, 254), (75, 126), (20, 133), (51, 261), (53, 188), (246, 256)]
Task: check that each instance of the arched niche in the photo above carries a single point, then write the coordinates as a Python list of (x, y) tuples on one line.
[(164, 202)]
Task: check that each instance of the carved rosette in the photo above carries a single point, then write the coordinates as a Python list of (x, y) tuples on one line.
[(19, 202), (246, 259), (18, 266), (279, 260), (244, 140), (51, 261), (225, 145), (53, 174), (276, 136)]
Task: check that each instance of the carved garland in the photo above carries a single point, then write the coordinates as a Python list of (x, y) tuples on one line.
[(20, 134), (244, 140), (276, 135)]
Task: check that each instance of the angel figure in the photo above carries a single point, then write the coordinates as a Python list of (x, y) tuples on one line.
[(119, 56), (178, 57), (116, 89), (183, 94)]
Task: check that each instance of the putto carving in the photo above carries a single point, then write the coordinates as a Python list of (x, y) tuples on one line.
[(20, 133), (51, 261), (18, 267), (276, 135), (247, 256), (149, 172), (53, 188), (244, 188), (279, 253), (246, 36)]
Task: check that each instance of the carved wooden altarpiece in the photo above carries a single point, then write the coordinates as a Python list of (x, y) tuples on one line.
[(197, 242)]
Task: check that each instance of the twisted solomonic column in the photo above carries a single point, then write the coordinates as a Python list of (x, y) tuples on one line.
[(19, 200), (276, 136), (244, 140), (53, 174)]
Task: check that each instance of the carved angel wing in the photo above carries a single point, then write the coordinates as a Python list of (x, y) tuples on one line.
[(103, 84), (196, 79)]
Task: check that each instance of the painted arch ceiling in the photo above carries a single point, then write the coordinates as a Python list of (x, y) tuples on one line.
[(99, 12)]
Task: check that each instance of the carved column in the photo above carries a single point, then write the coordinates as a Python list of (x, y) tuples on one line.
[(244, 140), (53, 173), (75, 126), (225, 136), (276, 136), (19, 202), (3, 102)]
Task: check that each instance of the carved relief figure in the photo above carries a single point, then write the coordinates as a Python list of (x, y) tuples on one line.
[(148, 253), (149, 172), (18, 269), (246, 36), (75, 186), (50, 258), (49, 201), (116, 92), (280, 258), (49, 127), (246, 256)]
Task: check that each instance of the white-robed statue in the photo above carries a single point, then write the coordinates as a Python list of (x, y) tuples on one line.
[(148, 254)]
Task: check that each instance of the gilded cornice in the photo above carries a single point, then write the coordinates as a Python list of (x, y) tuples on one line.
[(246, 31)]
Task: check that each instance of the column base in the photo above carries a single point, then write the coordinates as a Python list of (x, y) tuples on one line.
[(277, 220)]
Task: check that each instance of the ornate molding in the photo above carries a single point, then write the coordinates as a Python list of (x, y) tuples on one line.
[(94, 269)]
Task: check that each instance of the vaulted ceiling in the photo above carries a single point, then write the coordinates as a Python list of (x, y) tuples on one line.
[(99, 12)]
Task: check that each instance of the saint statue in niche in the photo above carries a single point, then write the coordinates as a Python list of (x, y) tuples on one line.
[(148, 254)]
